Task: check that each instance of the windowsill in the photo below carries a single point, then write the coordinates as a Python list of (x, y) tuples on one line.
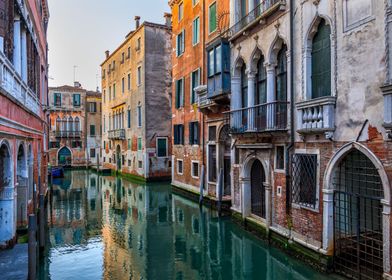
[(212, 183), (180, 173), (280, 171), (194, 177), (302, 207)]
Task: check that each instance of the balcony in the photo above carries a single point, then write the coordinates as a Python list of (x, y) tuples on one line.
[(263, 10), (13, 84), (268, 117), (317, 116), (117, 134), (68, 134)]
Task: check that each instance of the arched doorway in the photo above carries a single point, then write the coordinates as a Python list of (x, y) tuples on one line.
[(257, 175), (22, 189), (6, 193), (118, 157), (358, 217), (64, 157), (225, 158), (30, 165)]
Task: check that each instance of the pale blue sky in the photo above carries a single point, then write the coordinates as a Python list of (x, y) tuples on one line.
[(81, 30)]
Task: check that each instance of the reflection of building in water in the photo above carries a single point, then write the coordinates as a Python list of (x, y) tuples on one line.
[(75, 211), (136, 230)]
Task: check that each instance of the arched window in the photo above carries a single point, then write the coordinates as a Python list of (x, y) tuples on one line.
[(261, 83), (77, 124), (64, 124), (244, 87), (281, 75), (58, 124), (321, 61), (70, 124)]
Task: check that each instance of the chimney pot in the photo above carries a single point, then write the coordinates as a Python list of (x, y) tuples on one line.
[(167, 17), (107, 53), (77, 84), (137, 20)]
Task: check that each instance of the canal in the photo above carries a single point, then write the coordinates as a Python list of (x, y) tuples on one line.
[(110, 228)]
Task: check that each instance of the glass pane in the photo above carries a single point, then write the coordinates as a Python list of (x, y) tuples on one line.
[(211, 63), (212, 17), (218, 59)]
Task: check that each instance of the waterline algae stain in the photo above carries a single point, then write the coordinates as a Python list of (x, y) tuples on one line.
[(109, 228)]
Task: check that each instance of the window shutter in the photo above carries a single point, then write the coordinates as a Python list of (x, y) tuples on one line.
[(196, 133), (191, 133), (129, 118), (183, 42)]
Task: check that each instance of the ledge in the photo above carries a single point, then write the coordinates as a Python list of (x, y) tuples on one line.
[(325, 100)]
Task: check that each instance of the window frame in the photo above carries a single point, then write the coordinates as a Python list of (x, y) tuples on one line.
[(192, 169), (192, 86), (139, 144), (91, 134), (194, 43), (74, 100), (182, 166), (278, 170), (139, 116), (167, 147), (209, 17), (180, 11), (139, 75), (180, 103), (180, 51)]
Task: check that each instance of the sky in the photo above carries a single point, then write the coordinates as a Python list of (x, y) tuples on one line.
[(81, 30)]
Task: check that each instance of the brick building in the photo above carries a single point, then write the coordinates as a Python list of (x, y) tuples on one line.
[(136, 83), (75, 126), (23, 122)]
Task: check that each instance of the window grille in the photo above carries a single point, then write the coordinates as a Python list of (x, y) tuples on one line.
[(304, 174)]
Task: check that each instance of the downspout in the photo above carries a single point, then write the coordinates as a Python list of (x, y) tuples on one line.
[(204, 81), (292, 107)]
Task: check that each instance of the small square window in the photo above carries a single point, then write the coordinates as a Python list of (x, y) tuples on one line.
[(140, 164), (212, 133), (195, 169), (129, 162), (180, 166), (279, 158)]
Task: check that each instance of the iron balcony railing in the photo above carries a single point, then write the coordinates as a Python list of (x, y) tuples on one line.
[(117, 134), (14, 85), (68, 134), (260, 118), (254, 15)]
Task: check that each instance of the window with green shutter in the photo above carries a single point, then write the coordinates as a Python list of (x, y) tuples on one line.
[(179, 93), (193, 133), (212, 18), (321, 61), (92, 130), (195, 82), (57, 99), (139, 144), (162, 147), (76, 99)]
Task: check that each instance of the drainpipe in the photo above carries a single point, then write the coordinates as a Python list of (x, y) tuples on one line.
[(204, 82), (292, 131)]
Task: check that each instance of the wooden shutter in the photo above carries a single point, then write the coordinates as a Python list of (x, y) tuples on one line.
[(191, 133)]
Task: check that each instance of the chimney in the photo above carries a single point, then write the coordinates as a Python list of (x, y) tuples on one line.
[(137, 20), (77, 85), (107, 53), (167, 17)]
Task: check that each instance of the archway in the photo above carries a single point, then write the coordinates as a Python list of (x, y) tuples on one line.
[(257, 177), (64, 157), (30, 166), (6, 193), (22, 187), (225, 158), (358, 224), (118, 157)]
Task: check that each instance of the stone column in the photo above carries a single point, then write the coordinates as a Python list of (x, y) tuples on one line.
[(268, 205), (245, 197), (236, 118), (386, 225), (328, 221), (24, 55), (271, 109), (17, 56), (251, 100)]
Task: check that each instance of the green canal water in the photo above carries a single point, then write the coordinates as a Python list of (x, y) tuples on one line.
[(110, 228)]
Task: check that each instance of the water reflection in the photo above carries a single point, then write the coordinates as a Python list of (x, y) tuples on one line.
[(109, 228)]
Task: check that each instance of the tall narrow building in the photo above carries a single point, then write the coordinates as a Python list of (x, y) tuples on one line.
[(23, 121), (136, 118)]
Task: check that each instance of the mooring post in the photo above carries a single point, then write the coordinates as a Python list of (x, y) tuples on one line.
[(41, 221), (220, 191), (32, 247), (201, 186)]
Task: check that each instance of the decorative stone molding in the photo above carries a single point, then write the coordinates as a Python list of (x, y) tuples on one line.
[(387, 92)]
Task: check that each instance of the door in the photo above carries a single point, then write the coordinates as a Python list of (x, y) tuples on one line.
[(258, 190), (64, 157), (358, 234)]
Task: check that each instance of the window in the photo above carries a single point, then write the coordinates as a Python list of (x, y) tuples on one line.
[(57, 99), (196, 31), (181, 43), (114, 91), (304, 170), (129, 162), (122, 58), (76, 99), (140, 164), (195, 82), (212, 163), (244, 88), (104, 96), (129, 144), (110, 93), (195, 169), (180, 11), (212, 133), (76, 144), (138, 43), (194, 2), (321, 61), (92, 130), (54, 145), (179, 166), (212, 18), (178, 134), (193, 133), (129, 118), (139, 144), (114, 65), (243, 8), (139, 116), (92, 107), (122, 85), (279, 158), (261, 86), (179, 93), (129, 81), (129, 53), (92, 153), (281, 75), (162, 147), (139, 75)]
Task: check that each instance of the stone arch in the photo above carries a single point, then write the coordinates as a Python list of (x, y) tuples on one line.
[(30, 165), (64, 156), (22, 186), (7, 165), (275, 47), (313, 28), (239, 62), (256, 55), (328, 199)]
